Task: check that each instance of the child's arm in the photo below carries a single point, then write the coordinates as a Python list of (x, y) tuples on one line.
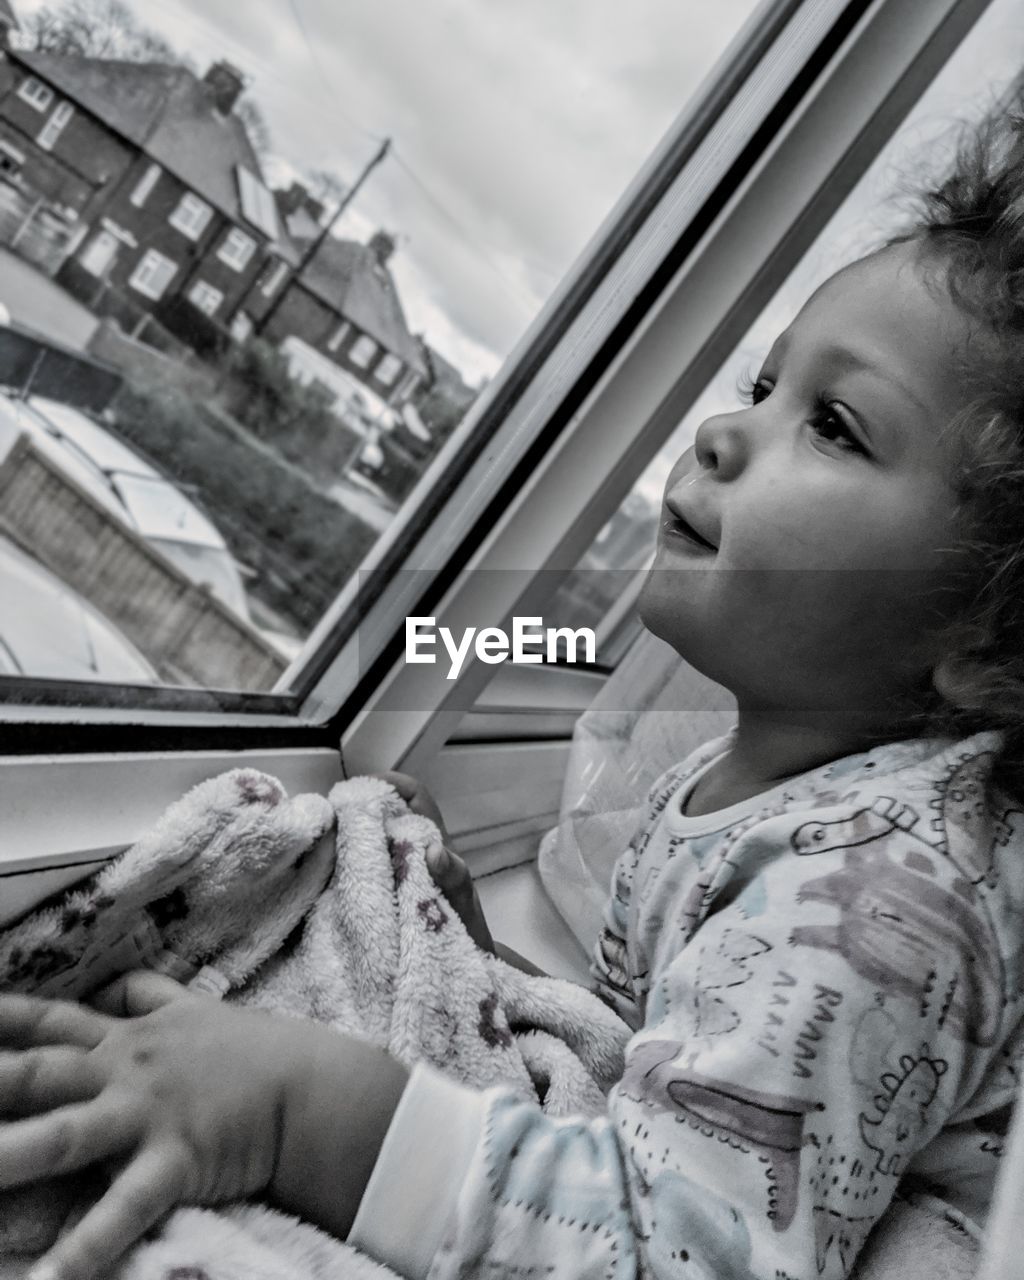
[(191, 1101)]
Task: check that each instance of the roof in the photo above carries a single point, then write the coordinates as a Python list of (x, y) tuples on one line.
[(166, 111), (348, 278)]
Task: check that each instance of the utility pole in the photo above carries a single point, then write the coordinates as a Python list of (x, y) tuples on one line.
[(314, 246)]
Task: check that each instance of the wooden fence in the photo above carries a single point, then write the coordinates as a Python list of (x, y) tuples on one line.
[(188, 635)]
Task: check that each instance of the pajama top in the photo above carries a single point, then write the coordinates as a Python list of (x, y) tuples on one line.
[(826, 990)]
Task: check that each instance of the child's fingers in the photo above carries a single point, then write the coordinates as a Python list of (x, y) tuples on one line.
[(64, 1141), (138, 993), (148, 1187), (35, 1080), (447, 869), (27, 1022)]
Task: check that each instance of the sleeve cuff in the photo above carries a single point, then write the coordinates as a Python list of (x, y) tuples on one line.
[(421, 1167)]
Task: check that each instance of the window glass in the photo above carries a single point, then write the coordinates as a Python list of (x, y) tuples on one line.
[(600, 591), (284, 293)]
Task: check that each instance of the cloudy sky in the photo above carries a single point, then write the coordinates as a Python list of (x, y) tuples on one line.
[(515, 124)]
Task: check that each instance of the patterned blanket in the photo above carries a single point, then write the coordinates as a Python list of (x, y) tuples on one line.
[(312, 907)]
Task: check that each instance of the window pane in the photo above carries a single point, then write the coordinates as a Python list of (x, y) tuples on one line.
[(299, 315), (600, 591)]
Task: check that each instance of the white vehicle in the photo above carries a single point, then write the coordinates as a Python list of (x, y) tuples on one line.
[(48, 631), (130, 488)]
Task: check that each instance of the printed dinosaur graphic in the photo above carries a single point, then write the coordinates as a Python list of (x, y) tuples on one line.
[(970, 830), (771, 1124), (899, 930), (901, 1109), (862, 827)]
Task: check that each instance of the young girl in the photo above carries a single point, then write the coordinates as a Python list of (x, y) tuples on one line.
[(816, 933)]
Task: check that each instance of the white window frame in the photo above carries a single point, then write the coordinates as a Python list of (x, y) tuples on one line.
[(339, 335), (386, 373), (236, 249), (275, 279), (143, 189), (35, 93), (191, 215), (363, 351), (55, 126), (860, 90), (205, 298), (150, 265)]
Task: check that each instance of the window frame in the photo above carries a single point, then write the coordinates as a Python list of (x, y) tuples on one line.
[(39, 101), (363, 351), (338, 336), (191, 226), (275, 278), (207, 290), (392, 364), (237, 261), (145, 185), (54, 127), (136, 281), (732, 197)]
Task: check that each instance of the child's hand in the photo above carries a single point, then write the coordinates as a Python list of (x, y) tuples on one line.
[(449, 872), (187, 1101)]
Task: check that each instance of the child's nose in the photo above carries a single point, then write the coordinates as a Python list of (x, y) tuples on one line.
[(721, 446)]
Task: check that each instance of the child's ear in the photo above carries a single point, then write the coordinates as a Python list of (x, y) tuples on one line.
[(954, 681)]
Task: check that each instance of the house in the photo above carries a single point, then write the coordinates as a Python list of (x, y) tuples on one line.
[(341, 300), (159, 174)]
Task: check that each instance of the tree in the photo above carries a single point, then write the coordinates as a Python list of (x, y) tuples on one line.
[(251, 115), (325, 186), (96, 29)]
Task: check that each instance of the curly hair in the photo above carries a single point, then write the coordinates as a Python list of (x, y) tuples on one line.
[(970, 230)]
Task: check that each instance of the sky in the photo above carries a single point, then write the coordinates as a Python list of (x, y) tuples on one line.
[(515, 126)]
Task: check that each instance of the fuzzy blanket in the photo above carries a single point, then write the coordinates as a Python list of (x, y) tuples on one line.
[(315, 908)]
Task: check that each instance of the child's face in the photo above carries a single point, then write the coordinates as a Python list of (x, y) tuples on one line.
[(828, 505)]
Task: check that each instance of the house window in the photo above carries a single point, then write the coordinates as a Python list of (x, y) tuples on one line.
[(153, 274), (237, 249), (274, 278), (145, 185), (99, 253), (36, 94), (191, 216), (11, 159), (363, 350), (338, 336), (241, 326), (388, 370), (205, 297), (54, 127)]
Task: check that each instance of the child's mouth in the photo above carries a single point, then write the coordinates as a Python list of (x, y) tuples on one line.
[(675, 525)]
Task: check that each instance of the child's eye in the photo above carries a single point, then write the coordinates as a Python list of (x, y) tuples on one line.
[(829, 423)]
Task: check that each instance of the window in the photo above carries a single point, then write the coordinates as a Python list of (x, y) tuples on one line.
[(237, 249), (56, 125), (35, 93), (360, 485), (338, 336), (153, 274), (205, 297), (191, 216), (241, 326), (11, 159), (362, 351), (144, 187), (99, 253), (388, 370), (274, 279)]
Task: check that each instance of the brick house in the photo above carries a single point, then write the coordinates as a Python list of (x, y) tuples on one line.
[(157, 171), (343, 303)]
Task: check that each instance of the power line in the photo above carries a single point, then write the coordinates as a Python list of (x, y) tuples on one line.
[(328, 84), (527, 301)]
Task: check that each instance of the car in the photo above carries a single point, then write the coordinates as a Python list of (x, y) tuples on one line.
[(48, 631), (130, 488)]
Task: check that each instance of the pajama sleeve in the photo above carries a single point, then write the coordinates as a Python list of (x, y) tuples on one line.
[(832, 1011)]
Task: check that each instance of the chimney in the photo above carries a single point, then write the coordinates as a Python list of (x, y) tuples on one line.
[(382, 245), (294, 198), (227, 83)]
